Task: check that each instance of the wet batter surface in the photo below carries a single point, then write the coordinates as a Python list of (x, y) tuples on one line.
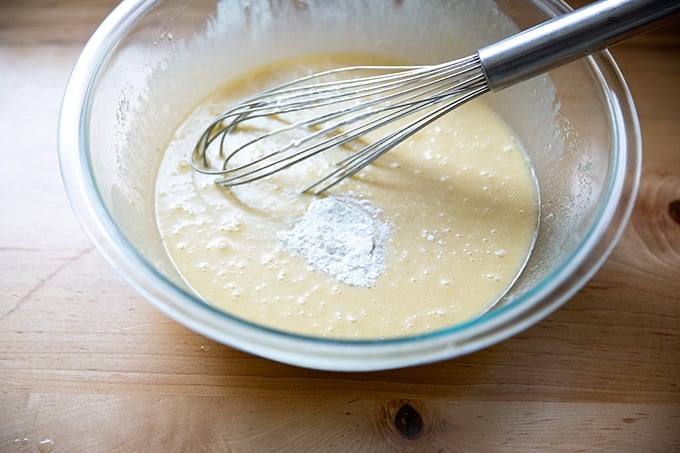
[(443, 224)]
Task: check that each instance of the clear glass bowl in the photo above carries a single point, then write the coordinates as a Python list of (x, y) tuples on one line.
[(152, 61)]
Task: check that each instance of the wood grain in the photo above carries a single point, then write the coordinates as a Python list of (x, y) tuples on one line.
[(87, 364)]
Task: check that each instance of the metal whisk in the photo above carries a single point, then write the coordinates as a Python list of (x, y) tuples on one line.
[(319, 112)]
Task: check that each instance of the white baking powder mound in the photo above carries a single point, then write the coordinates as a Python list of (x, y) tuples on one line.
[(343, 237)]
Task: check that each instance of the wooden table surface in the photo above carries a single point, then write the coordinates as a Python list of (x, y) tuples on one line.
[(86, 364)]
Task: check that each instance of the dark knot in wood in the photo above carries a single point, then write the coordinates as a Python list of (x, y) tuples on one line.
[(408, 421), (674, 210)]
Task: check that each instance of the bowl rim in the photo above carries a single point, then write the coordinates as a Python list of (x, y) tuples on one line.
[(330, 353)]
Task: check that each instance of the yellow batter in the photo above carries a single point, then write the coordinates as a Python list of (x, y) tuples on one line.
[(456, 208)]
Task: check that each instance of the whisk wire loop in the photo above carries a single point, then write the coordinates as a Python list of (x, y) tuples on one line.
[(343, 113)]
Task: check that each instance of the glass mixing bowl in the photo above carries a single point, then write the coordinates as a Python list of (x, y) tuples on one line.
[(151, 61)]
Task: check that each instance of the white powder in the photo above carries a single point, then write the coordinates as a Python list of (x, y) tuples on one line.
[(343, 237)]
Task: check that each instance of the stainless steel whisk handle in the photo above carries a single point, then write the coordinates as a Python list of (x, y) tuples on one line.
[(568, 37)]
